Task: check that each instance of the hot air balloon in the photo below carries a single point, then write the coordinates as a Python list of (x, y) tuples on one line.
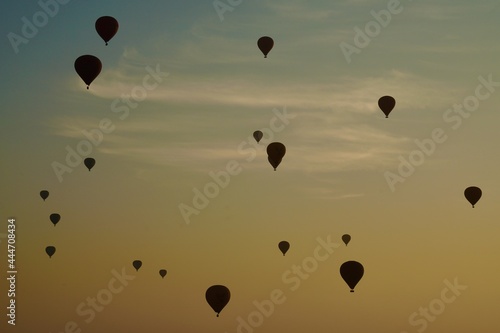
[(54, 218), (265, 45), (89, 162), (44, 194), (346, 239), (257, 135), (106, 27), (50, 250), (137, 264), (163, 272), (283, 246), (473, 194), (217, 297), (386, 104), (275, 153), (352, 272), (88, 67)]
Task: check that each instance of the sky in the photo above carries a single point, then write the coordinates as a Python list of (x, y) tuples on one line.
[(181, 184)]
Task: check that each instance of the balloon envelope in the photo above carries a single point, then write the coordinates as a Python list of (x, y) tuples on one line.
[(217, 297), (89, 162), (275, 153), (473, 194), (44, 194), (257, 135), (283, 246), (265, 45), (54, 218), (88, 68), (386, 104), (163, 272), (352, 272), (346, 239), (137, 264), (50, 250), (106, 27)]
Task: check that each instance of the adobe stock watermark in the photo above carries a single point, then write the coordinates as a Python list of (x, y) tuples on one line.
[(87, 310), (222, 6), (420, 320), (372, 29), (292, 278), (221, 179), (95, 136), (30, 28), (428, 146)]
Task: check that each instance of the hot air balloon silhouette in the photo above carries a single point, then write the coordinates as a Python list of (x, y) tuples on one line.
[(137, 264), (386, 104), (50, 250), (88, 68), (54, 218), (106, 27), (44, 194), (352, 272), (275, 153), (257, 135), (283, 246), (163, 272), (265, 45), (89, 162), (217, 297), (473, 194), (346, 239)]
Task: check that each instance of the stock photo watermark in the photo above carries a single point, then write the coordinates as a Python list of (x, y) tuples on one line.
[(420, 319), (220, 179), (95, 136), (89, 308), (222, 6), (292, 278), (428, 146), (39, 19), (373, 28)]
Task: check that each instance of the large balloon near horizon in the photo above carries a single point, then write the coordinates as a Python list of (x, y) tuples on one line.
[(106, 27), (137, 264), (44, 194), (88, 68), (275, 153), (54, 218), (473, 194), (217, 297), (89, 162), (386, 104), (352, 272), (284, 246), (50, 250), (265, 45)]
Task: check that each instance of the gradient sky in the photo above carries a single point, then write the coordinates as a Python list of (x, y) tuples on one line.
[(414, 237)]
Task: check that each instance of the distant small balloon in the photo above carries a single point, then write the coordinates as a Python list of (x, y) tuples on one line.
[(89, 162), (163, 272), (352, 272), (44, 194), (284, 246), (257, 135), (386, 104), (54, 218), (346, 239), (137, 264), (265, 45), (217, 297), (50, 250), (473, 194), (106, 27)]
